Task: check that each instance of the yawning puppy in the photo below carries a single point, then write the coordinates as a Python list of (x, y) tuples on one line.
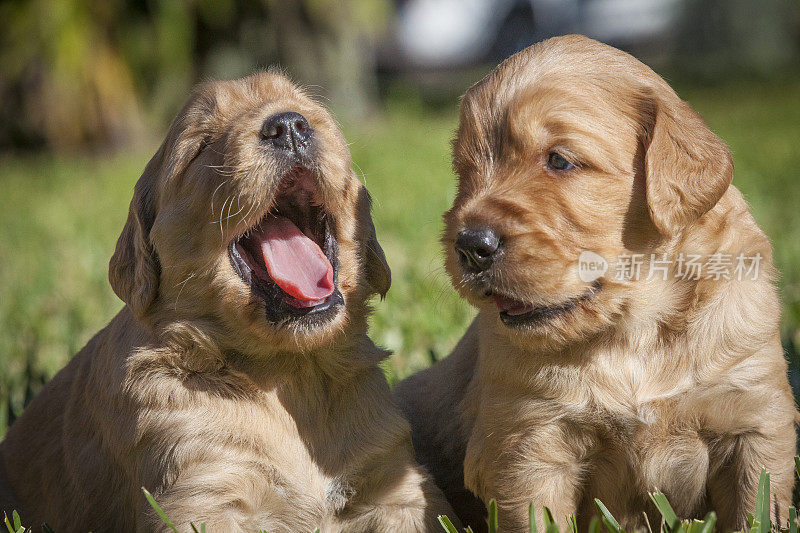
[(601, 365), (238, 384)]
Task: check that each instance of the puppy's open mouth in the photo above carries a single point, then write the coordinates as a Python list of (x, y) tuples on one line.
[(290, 257), (515, 313)]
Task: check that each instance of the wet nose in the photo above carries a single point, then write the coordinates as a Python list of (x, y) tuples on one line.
[(477, 248), (287, 131)]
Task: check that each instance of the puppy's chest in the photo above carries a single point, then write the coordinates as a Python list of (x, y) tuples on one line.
[(633, 394), (285, 472), (605, 391), (634, 420), (611, 423)]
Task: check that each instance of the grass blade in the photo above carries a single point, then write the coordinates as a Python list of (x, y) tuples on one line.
[(532, 518), (594, 525), (573, 523), (7, 523), (162, 514), (708, 523), (547, 518), (797, 465), (762, 514), (671, 519), (446, 524), (550, 525), (492, 516), (792, 519), (608, 519), (47, 529)]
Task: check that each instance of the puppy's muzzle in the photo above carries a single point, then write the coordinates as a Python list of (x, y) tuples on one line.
[(289, 258), (477, 249), (287, 131)]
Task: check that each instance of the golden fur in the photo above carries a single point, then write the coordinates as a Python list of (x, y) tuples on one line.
[(190, 392), (676, 384)]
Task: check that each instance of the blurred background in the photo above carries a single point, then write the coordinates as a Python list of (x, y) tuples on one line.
[(88, 88)]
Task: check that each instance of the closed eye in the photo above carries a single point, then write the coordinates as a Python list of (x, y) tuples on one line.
[(203, 145)]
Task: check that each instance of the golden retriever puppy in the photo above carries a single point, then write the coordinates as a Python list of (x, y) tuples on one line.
[(238, 383), (599, 364)]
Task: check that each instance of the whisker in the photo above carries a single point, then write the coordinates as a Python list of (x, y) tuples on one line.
[(182, 284), (214, 193), (239, 205), (244, 217), (221, 231), (229, 211)]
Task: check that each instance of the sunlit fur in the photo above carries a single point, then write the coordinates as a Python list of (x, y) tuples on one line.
[(190, 392), (678, 385)]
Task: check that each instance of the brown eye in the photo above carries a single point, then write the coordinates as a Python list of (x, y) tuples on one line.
[(557, 161)]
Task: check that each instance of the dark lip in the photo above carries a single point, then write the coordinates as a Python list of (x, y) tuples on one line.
[(541, 314), (277, 311)]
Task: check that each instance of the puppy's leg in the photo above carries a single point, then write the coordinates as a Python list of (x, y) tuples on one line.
[(401, 497), (544, 467), (554, 486), (735, 471), (185, 509), (230, 496)]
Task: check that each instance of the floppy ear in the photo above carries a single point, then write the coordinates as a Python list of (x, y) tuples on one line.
[(134, 269), (379, 276), (687, 167)]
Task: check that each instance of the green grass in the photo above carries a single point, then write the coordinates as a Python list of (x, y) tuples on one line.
[(60, 217)]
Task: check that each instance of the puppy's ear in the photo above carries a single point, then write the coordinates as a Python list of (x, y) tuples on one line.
[(134, 269), (687, 167), (379, 276)]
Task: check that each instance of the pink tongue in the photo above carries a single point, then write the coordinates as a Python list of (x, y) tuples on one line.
[(295, 262)]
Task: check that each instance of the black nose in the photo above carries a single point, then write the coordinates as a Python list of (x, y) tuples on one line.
[(477, 248), (287, 131)]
